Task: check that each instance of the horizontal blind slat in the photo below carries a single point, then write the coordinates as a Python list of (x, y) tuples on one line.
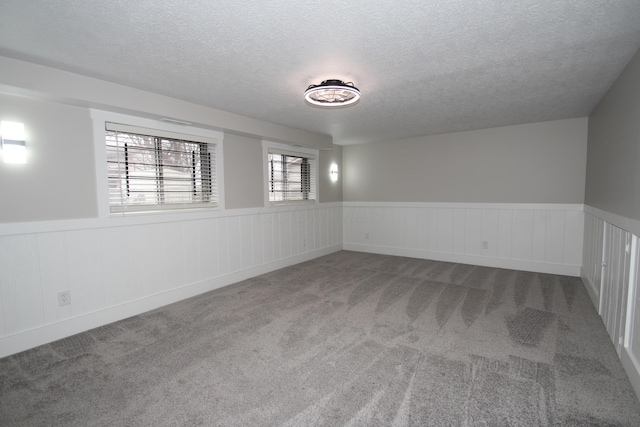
[(291, 176), (149, 173)]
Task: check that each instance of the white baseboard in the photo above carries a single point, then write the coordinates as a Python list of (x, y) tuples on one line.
[(632, 368), (52, 332), (537, 267)]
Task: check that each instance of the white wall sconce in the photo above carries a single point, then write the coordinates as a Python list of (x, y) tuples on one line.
[(13, 144), (333, 172)]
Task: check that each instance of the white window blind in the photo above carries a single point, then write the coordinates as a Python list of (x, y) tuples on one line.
[(151, 169), (291, 176)]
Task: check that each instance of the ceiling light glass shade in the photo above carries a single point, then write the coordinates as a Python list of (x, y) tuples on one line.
[(332, 93)]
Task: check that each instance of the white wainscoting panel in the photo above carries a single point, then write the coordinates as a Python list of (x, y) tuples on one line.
[(591, 272), (537, 237), (631, 352), (610, 272), (20, 291), (615, 282), (52, 262), (120, 267)]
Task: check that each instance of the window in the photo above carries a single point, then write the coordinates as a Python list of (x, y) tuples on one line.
[(291, 174), (159, 170)]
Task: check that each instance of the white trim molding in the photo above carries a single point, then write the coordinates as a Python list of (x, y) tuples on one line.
[(100, 118)]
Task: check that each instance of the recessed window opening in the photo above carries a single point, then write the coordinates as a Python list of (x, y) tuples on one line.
[(290, 176), (156, 172)]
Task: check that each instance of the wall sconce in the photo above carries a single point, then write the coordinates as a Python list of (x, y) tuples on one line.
[(13, 144), (333, 172)]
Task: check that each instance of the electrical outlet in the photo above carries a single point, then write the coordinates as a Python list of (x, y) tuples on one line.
[(485, 245), (64, 298)]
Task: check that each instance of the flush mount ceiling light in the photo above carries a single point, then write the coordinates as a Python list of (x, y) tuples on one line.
[(332, 93)]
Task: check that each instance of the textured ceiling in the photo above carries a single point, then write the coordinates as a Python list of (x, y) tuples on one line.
[(423, 66)]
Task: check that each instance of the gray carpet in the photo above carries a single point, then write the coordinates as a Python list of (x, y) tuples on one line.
[(347, 339)]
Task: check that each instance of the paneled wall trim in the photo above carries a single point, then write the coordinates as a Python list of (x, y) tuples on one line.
[(628, 224), (119, 267), (610, 272), (543, 238)]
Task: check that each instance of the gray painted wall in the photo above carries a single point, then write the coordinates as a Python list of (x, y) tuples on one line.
[(530, 163), (613, 158), (24, 78), (330, 191), (243, 172), (59, 179)]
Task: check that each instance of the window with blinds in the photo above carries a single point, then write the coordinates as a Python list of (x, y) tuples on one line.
[(158, 171), (291, 177)]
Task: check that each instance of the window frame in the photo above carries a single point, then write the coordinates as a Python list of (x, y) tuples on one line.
[(154, 128), (294, 151)]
